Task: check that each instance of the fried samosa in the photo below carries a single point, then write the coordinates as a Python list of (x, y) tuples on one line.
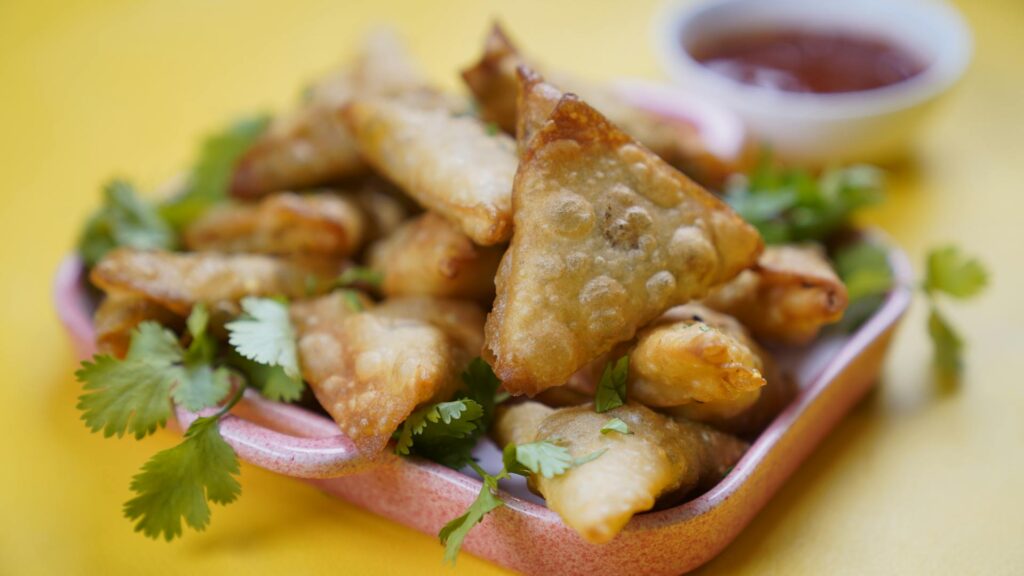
[(607, 237), (179, 281), (493, 82), (312, 146), (692, 354), (658, 457), (286, 224), (787, 297), (450, 163), (429, 255), (370, 369)]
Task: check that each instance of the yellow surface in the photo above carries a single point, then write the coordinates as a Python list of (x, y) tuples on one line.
[(916, 480)]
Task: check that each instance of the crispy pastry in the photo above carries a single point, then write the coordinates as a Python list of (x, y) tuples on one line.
[(787, 297), (658, 457), (370, 369), (286, 224), (429, 255), (608, 236), (450, 163)]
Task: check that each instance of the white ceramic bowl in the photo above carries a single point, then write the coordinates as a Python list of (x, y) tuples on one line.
[(872, 125)]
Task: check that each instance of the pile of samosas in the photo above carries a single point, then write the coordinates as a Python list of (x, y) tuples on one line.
[(543, 223)]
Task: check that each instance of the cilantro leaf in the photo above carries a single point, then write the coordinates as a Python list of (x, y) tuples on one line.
[(354, 275), (455, 531), (611, 389), (203, 347), (201, 386), (124, 219), (445, 432), (210, 175), (864, 269), (176, 483), (544, 458), (482, 386), (789, 205), (264, 334), (132, 394), (352, 300), (615, 425), (955, 274), (947, 343)]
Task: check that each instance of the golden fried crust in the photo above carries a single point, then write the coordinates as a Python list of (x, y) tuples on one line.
[(384, 208), (461, 321), (659, 457), (428, 255), (449, 163), (747, 415), (607, 238), (371, 369), (492, 80), (693, 354), (312, 146), (283, 224), (536, 99), (119, 314), (788, 297), (179, 281)]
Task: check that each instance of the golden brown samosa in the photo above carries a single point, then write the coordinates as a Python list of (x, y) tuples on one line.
[(607, 237)]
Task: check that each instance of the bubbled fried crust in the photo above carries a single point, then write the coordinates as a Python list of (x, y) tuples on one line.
[(788, 297), (370, 369), (428, 255), (286, 224), (607, 238), (657, 458), (492, 80)]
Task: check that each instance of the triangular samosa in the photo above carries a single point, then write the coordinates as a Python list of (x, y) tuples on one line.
[(607, 237)]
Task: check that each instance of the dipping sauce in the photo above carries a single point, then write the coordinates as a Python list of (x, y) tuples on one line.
[(809, 61)]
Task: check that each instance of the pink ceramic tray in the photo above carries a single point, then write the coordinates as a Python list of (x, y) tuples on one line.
[(833, 374)]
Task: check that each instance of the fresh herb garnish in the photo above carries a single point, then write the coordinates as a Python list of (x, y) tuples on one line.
[(124, 219), (544, 458), (615, 425), (611, 389), (135, 395), (791, 205), (359, 275), (210, 175), (446, 432), (953, 274), (865, 270)]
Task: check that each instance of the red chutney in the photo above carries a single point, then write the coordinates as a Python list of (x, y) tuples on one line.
[(809, 61)]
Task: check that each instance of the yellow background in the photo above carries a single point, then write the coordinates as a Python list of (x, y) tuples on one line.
[(917, 479)]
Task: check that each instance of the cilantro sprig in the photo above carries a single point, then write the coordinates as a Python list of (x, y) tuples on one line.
[(864, 268), (791, 205), (135, 395), (543, 458), (131, 394), (210, 175), (950, 273), (446, 432), (124, 219), (611, 389)]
